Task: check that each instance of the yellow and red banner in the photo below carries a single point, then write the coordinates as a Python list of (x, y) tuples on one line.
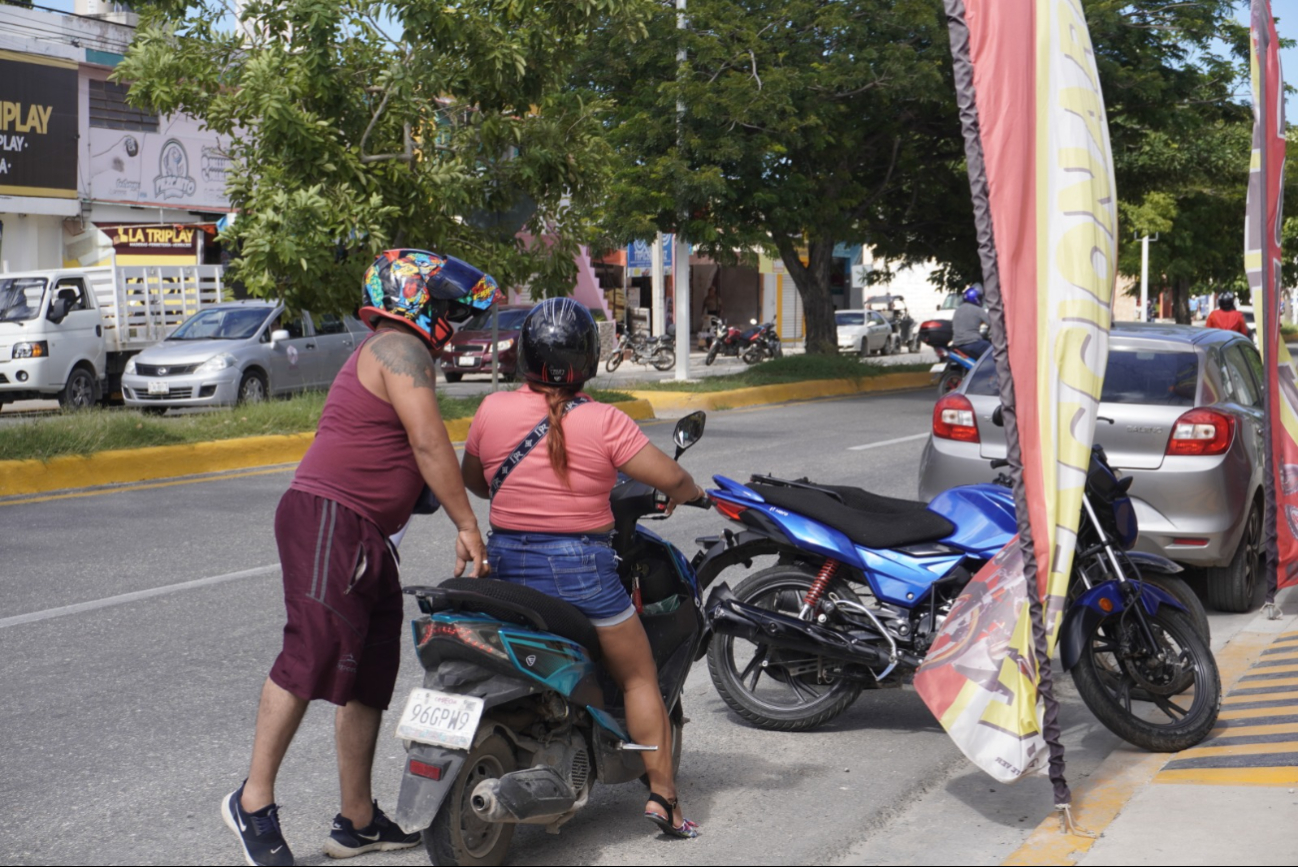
[(1041, 174), (1263, 263)]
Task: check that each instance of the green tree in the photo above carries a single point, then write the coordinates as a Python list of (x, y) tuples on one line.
[(806, 123), (362, 124)]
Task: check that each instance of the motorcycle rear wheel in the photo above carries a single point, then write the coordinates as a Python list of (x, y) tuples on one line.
[(1161, 706), (752, 355), (949, 382), (664, 359), (457, 836), (796, 700)]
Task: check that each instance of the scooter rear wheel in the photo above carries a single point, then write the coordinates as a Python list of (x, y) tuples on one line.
[(775, 689), (457, 836), (949, 382)]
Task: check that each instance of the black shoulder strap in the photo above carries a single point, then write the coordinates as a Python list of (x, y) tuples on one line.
[(529, 442)]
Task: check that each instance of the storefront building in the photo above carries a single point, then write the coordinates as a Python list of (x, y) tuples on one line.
[(86, 179)]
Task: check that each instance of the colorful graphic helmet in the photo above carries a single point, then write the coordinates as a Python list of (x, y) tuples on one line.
[(558, 343), (425, 291), (974, 294)]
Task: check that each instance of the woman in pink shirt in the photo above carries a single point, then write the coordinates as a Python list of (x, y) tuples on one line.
[(551, 524)]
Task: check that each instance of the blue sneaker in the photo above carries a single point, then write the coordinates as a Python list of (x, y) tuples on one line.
[(382, 834), (259, 834)]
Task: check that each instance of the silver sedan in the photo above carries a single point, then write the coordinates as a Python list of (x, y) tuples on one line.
[(1181, 411)]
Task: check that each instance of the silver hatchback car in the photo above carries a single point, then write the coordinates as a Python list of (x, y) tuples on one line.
[(1181, 411), (240, 351)]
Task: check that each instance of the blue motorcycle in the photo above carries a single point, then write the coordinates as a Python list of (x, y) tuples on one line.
[(862, 584), (517, 720)]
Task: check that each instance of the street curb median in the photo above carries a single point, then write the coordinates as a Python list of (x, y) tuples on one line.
[(124, 466), (676, 401)]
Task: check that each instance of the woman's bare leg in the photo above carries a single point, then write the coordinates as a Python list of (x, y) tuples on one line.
[(629, 659)]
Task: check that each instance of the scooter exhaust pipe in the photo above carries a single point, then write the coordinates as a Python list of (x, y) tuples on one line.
[(533, 796), (728, 616)]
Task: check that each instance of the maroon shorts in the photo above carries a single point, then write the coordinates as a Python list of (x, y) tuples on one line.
[(345, 611)]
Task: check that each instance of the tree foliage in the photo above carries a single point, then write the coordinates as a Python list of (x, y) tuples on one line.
[(805, 123), (360, 125)]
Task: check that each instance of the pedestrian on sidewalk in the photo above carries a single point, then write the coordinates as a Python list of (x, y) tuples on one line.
[(1226, 316), (551, 523), (379, 442)]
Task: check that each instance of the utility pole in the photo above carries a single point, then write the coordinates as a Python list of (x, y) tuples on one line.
[(659, 289), (1144, 278), (681, 256)]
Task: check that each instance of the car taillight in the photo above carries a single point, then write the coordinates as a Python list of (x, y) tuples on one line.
[(953, 419), (1201, 432), (729, 509), (932, 323)]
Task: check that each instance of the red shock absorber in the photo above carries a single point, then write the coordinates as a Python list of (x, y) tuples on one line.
[(821, 584)]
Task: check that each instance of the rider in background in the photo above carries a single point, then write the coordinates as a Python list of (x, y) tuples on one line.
[(551, 523), (1226, 316), (967, 322)]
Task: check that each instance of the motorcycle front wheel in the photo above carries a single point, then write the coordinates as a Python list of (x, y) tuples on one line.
[(457, 836), (752, 355), (1163, 697), (613, 361), (777, 689), (712, 352), (664, 359)]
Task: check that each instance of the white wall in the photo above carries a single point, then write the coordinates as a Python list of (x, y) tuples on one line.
[(31, 242)]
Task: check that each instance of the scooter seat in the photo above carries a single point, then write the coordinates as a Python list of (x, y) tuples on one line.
[(560, 617), (867, 519)]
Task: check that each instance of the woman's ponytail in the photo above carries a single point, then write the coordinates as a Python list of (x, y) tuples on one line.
[(556, 398)]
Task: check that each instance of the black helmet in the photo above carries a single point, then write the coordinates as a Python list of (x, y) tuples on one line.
[(1226, 301), (558, 343)]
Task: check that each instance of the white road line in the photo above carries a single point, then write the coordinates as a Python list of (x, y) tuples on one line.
[(109, 602), (881, 444)]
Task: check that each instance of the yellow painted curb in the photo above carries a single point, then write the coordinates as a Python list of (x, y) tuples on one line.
[(192, 459), (688, 401), (1122, 774)]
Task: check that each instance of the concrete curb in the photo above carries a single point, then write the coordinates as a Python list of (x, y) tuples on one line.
[(688, 401), (192, 459)]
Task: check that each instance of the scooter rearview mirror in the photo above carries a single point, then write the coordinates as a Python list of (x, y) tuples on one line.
[(689, 430)]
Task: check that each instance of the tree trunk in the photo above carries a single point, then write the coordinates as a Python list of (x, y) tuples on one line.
[(812, 281), (1181, 300)]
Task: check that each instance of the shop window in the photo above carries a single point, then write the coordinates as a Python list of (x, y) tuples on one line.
[(110, 110)]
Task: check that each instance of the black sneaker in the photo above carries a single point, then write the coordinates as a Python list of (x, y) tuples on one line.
[(382, 834), (259, 833)]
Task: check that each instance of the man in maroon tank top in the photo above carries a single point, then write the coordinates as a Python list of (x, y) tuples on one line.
[(379, 442)]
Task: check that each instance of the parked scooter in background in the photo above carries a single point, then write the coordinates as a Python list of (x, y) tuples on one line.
[(658, 351), (730, 341), (765, 343)]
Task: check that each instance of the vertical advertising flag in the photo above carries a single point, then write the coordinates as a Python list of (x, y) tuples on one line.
[(1041, 175), (1263, 263)]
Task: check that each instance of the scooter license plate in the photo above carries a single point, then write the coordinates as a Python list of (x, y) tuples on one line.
[(156, 387), (439, 718)]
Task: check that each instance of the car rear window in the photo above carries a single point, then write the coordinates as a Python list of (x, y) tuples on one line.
[(1160, 378), (510, 320), (1133, 376), (849, 318)]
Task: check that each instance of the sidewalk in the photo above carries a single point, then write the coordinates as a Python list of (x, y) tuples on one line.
[(1229, 800)]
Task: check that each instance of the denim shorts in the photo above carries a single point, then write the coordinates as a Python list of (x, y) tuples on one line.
[(580, 569)]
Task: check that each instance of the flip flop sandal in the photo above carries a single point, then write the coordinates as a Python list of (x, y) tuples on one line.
[(686, 830)]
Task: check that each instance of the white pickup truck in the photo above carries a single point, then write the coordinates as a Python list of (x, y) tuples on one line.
[(68, 332)]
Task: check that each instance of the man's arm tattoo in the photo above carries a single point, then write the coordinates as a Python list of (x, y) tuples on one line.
[(405, 356)]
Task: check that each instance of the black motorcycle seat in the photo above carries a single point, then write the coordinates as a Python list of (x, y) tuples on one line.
[(560, 617), (867, 519)]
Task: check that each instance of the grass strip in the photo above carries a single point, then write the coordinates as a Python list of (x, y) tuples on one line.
[(790, 368), (97, 430)]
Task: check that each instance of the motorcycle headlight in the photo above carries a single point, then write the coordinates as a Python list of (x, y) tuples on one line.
[(130, 366), (32, 349), (503, 345), (215, 363)]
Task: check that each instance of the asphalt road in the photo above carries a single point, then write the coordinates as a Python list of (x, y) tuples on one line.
[(126, 723)]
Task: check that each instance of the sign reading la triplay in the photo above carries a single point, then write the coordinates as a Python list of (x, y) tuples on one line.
[(38, 126)]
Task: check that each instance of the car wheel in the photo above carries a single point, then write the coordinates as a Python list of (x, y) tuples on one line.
[(253, 388), (79, 393), (452, 377), (1233, 587)]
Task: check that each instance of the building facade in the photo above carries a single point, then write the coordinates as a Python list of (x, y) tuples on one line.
[(85, 178)]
